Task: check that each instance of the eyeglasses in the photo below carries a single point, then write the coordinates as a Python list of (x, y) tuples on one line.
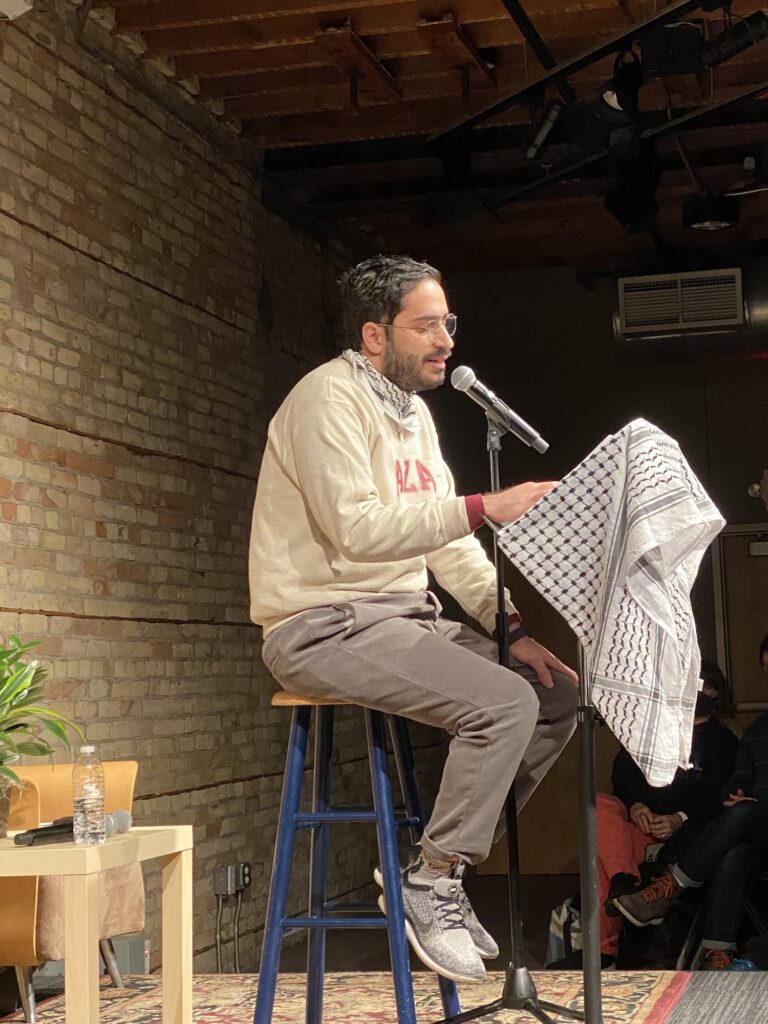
[(431, 328), (765, 667)]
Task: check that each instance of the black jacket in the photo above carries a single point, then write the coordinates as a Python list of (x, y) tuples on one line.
[(697, 790), (750, 772)]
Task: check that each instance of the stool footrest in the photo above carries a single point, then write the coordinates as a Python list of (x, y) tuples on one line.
[(338, 907), (342, 921), (311, 819)]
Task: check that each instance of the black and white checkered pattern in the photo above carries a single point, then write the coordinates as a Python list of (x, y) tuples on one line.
[(615, 548)]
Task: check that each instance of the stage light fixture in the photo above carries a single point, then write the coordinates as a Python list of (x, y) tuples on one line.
[(739, 36), (591, 122), (710, 212)]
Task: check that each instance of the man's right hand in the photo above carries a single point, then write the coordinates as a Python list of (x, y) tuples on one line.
[(507, 505), (736, 798)]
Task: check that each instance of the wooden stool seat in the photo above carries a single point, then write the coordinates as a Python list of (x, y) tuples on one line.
[(281, 699)]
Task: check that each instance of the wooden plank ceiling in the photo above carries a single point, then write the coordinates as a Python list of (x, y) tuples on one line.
[(341, 97)]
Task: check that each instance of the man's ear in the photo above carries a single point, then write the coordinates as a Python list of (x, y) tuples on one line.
[(372, 338)]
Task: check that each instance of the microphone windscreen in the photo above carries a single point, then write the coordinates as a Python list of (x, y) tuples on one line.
[(463, 378)]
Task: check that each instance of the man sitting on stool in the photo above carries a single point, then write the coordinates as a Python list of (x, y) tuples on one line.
[(354, 504)]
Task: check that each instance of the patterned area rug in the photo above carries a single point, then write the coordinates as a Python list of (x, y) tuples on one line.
[(358, 998)]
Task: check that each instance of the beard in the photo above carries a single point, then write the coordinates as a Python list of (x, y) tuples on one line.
[(406, 370)]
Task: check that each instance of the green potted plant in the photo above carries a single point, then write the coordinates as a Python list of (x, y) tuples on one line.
[(24, 718)]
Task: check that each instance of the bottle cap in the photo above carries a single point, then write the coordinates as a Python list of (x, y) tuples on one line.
[(88, 749)]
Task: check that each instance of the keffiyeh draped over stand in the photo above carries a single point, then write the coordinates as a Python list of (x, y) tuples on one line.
[(615, 548)]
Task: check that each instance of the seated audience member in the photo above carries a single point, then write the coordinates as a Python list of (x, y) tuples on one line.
[(640, 815), (725, 853)]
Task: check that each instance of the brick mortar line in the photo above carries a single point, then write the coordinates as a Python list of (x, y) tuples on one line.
[(257, 778), (123, 618), (135, 449), (123, 273), (125, 76)]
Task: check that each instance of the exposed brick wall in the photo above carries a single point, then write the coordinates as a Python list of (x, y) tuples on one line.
[(153, 313)]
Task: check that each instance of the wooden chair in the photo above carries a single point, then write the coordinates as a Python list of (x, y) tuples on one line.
[(32, 921)]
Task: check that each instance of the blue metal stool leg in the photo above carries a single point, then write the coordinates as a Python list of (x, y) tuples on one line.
[(406, 771), (281, 867), (390, 867), (318, 864)]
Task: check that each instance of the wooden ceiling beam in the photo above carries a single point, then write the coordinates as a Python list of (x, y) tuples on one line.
[(389, 33), (448, 41), (374, 122), (230, 86), (347, 52), (154, 15)]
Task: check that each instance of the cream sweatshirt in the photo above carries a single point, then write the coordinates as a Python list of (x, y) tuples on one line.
[(352, 503)]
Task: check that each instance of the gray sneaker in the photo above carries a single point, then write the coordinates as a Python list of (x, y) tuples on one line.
[(484, 943), (434, 924)]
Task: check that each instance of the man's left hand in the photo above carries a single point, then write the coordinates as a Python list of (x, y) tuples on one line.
[(527, 651), (665, 825)]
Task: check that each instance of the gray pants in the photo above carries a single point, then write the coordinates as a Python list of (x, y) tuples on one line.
[(395, 653)]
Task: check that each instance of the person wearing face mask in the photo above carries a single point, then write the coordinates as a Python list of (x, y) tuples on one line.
[(724, 855), (639, 815)]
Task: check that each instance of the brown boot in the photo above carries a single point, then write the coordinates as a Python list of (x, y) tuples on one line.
[(649, 905), (718, 959)]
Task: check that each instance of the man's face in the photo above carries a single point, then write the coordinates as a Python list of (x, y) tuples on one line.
[(414, 358)]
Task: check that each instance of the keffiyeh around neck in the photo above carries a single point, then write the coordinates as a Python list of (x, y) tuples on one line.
[(394, 398), (615, 548)]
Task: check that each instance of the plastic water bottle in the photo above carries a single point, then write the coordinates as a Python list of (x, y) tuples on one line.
[(89, 822)]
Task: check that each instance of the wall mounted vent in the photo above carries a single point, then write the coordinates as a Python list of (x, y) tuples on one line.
[(668, 303)]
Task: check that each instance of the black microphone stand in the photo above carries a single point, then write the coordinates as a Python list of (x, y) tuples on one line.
[(519, 991)]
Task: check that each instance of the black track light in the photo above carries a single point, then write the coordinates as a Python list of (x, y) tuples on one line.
[(739, 36)]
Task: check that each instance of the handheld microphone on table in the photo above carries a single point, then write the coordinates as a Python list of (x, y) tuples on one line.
[(62, 830), (464, 379)]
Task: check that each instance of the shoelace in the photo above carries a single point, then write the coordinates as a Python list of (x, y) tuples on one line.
[(718, 958), (448, 910), (661, 888)]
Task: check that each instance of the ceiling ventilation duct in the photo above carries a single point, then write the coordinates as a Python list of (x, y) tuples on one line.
[(693, 313)]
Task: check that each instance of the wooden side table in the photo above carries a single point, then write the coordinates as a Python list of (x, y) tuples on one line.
[(80, 866)]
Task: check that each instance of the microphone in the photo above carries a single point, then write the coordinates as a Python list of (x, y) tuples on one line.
[(464, 379), (62, 831)]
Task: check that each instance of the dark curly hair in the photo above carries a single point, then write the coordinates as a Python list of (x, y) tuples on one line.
[(375, 290), (763, 648), (715, 680)]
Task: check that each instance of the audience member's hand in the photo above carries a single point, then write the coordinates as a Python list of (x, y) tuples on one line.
[(507, 505), (665, 825), (530, 653), (641, 817), (736, 798)]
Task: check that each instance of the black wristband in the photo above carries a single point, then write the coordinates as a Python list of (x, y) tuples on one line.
[(517, 634)]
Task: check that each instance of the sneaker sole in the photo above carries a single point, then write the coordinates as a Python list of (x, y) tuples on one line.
[(425, 958), (485, 955), (630, 917)]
